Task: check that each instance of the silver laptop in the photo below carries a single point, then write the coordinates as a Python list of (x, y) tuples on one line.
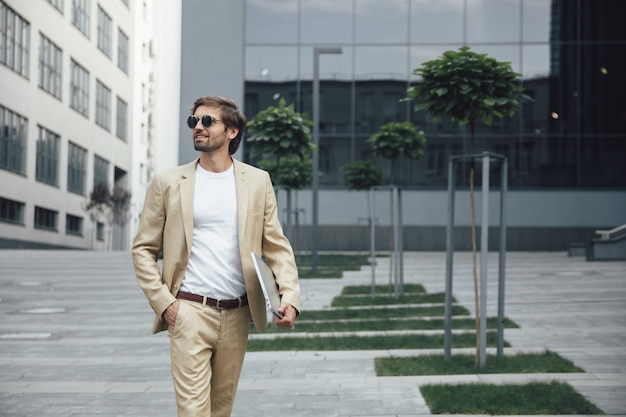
[(268, 285)]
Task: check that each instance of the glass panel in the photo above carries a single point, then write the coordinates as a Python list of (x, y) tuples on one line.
[(271, 21), (437, 21), (326, 21), (536, 20), (381, 62), (271, 63), (493, 21), (535, 61), (382, 21)]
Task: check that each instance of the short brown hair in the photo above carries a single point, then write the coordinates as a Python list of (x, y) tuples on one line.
[(230, 114)]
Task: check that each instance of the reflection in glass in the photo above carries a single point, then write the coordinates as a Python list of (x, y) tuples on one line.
[(381, 62), (271, 21), (326, 21), (536, 20), (437, 21), (381, 21), (271, 63), (493, 20), (535, 61)]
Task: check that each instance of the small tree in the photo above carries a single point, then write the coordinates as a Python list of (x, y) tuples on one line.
[(281, 137), (362, 175), (279, 133), (391, 142), (398, 139), (468, 87), (112, 206)]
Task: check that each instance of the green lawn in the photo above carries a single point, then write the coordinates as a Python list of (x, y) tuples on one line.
[(533, 398), (366, 342), (523, 363)]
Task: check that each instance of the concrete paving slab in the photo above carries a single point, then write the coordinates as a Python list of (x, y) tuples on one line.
[(75, 338)]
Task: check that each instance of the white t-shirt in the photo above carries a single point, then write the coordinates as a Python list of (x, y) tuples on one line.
[(214, 268)]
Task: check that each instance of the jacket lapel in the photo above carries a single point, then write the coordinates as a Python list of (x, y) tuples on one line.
[(187, 185), (241, 182)]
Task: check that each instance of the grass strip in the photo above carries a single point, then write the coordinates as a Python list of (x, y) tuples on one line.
[(348, 301), (380, 289), (390, 324), (382, 313), (463, 340), (535, 398), (522, 363), (329, 265)]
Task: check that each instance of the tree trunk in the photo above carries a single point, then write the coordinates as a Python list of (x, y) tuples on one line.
[(474, 266)]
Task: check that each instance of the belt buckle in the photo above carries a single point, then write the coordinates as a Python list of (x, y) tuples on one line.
[(217, 305)]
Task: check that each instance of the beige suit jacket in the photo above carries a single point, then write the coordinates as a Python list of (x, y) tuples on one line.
[(166, 225)]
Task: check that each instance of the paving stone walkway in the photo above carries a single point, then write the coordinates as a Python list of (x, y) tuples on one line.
[(75, 338)]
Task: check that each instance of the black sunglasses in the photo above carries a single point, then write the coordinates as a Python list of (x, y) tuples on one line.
[(207, 121)]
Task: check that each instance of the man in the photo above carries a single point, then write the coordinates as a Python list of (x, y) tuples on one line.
[(206, 218)]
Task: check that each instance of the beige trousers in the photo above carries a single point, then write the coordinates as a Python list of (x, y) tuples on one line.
[(207, 347)]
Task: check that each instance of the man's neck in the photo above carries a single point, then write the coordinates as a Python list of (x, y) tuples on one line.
[(215, 163)]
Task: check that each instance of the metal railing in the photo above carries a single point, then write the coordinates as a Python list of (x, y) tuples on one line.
[(608, 234)]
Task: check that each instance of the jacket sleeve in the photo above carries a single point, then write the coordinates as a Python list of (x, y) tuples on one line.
[(278, 251), (147, 247)]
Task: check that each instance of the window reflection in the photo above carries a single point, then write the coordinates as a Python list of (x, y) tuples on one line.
[(381, 21), (570, 135), (536, 20), (493, 20), (437, 21), (271, 21), (271, 63), (326, 21)]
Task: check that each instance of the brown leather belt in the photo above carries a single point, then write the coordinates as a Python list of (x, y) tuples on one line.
[(212, 302)]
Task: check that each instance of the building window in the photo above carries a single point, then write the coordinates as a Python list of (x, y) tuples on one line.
[(50, 66), (121, 126), (100, 232), (57, 3), (14, 40), (46, 219), (76, 168), (105, 32), (73, 225), (11, 211), (122, 51), (79, 88), (100, 171), (47, 169), (103, 105), (12, 141), (80, 15)]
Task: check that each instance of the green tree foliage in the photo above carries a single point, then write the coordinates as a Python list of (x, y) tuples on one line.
[(394, 140), (280, 136), (467, 87), (362, 175), (293, 172)]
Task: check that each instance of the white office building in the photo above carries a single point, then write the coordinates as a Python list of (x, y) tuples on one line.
[(77, 111)]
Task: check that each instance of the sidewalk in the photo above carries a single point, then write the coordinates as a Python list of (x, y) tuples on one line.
[(75, 338)]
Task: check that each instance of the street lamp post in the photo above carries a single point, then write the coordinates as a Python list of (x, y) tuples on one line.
[(317, 51)]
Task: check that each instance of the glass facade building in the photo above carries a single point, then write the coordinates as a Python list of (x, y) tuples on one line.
[(570, 54)]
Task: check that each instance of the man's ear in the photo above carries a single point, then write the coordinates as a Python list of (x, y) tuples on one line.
[(232, 132)]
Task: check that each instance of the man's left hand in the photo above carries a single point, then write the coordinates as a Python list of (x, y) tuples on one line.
[(289, 316)]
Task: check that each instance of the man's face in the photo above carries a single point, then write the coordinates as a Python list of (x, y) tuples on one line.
[(214, 138)]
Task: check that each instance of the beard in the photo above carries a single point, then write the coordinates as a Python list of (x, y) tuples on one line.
[(209, 145)]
